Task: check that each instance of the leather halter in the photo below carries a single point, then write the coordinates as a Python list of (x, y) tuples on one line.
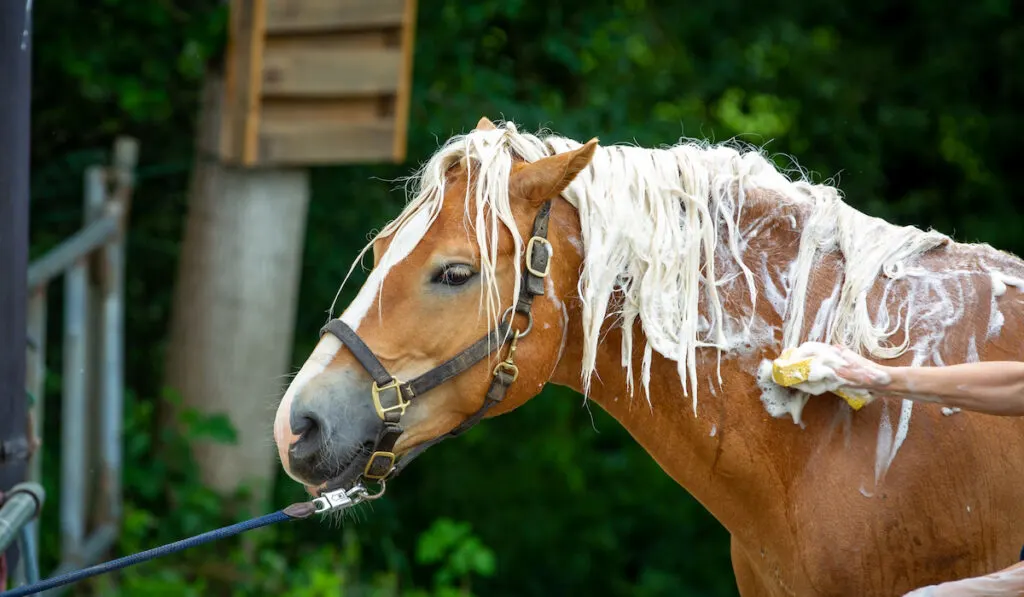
[(391, 396)]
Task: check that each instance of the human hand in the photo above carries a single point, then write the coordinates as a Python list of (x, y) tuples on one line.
[(860, 372)]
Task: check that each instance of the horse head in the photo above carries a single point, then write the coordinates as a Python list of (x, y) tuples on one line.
[(457, 318)]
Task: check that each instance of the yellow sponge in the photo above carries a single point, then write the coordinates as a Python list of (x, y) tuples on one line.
[(794, 369)]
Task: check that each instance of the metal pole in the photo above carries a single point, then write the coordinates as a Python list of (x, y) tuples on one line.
[(126, 154), (15, 85), (35, 374), (23, 503), (64, 255), (94, 198), (27, 543), (73, 413), (34, 379)]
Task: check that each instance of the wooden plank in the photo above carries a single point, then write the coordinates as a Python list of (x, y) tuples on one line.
[(243, 80), (331, 110), (303, 16), (318, 143), (337, 42), (316, 71), (404, 91)]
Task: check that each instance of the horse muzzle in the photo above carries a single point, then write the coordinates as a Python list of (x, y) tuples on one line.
[(332, 429)]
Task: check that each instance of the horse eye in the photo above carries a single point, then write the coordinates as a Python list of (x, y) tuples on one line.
[(455, 274)]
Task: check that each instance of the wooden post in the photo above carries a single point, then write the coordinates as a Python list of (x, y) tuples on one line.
[(306, 82), (234, 305)]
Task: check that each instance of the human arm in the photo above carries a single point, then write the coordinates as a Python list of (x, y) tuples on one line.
[(992, 387), (1008, 582)]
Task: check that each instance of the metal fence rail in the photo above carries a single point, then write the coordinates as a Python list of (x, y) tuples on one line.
[(92, 264)]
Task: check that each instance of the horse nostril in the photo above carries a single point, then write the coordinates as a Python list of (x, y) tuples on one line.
[(309, 428), (302, 424)]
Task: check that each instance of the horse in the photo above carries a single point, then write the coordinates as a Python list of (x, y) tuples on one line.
[(660, 283)]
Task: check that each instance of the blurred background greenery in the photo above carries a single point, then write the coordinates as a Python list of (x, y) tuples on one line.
[(913, 107)]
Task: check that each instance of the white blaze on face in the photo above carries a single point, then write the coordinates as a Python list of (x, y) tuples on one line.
[(404, 242)]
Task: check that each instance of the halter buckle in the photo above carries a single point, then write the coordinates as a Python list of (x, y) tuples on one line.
[(529, 256), (509, 364), (509, 367), (389, 457), (382, 410)]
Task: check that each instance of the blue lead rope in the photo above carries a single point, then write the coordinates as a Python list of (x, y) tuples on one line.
[(294, 512)]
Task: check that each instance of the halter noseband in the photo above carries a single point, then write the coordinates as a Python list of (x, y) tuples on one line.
[(391, 396)]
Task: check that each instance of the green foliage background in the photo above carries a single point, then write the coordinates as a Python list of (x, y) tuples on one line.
[(912, 107)]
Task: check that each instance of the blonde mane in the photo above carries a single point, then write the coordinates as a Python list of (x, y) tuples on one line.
[(652, 221)]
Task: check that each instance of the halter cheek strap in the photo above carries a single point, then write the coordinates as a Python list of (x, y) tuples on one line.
[(391, 396)]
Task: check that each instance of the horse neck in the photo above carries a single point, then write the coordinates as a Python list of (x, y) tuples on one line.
[(726, 456)]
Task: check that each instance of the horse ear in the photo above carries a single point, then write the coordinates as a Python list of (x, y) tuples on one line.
[(547, 177), (485, 124)]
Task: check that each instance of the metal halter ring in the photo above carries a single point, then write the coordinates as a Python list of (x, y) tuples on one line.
[(367, 496), (529, 320)]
